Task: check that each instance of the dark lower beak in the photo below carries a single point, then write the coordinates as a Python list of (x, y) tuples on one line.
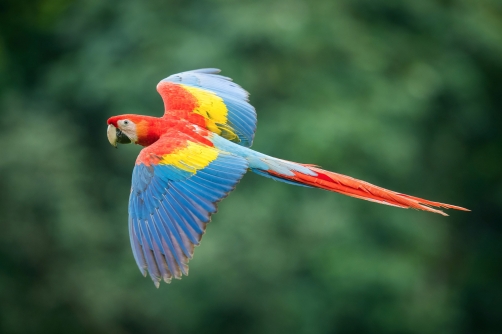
[(122, 138)]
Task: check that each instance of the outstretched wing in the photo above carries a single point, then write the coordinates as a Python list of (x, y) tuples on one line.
[(176, 184), (214, 101)]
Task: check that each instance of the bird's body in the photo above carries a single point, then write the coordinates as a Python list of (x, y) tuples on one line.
[(194, 156)]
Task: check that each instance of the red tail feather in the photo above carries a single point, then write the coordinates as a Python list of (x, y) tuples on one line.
[(356, 188)]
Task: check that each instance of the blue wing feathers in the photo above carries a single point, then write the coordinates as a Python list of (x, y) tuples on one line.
[(184, 216), (153, 270), (169, 210), (169, 249), (156, 240), (203, 192), (206, 185), (200, 190), (216, 179), (209, 79), (160, 260), (174, 235), (144, 233), (149, 202), (197, 205), (167, 173), (221, 174), (136, 249), (188, 231), (225, 163), (193, 217), (189, 234), (191, 209)]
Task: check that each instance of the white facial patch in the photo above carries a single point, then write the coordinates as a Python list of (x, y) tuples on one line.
[(129, 129)]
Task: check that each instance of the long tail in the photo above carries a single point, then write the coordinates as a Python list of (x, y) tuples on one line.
[(311, 175)]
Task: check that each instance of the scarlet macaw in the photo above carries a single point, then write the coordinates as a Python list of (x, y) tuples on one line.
[(194, 156)]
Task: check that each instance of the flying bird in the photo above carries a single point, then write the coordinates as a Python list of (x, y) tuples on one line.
[(194, 156)]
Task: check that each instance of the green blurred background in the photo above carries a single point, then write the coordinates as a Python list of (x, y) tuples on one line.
[(403, 94)]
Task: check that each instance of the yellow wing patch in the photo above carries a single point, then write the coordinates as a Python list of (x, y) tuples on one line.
[(191, 158), (214, 110)]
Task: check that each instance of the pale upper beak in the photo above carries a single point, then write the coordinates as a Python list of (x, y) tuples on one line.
[(116, 136)]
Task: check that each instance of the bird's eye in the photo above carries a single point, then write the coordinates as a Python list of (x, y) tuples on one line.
[(126, 122)]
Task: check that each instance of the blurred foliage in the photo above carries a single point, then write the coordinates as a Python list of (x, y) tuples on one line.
[(406, 95)]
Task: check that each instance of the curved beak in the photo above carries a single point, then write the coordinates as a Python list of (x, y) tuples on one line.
[(116, 136)]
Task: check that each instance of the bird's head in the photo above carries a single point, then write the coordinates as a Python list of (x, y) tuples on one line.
[(137, 129), (123, 129)]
